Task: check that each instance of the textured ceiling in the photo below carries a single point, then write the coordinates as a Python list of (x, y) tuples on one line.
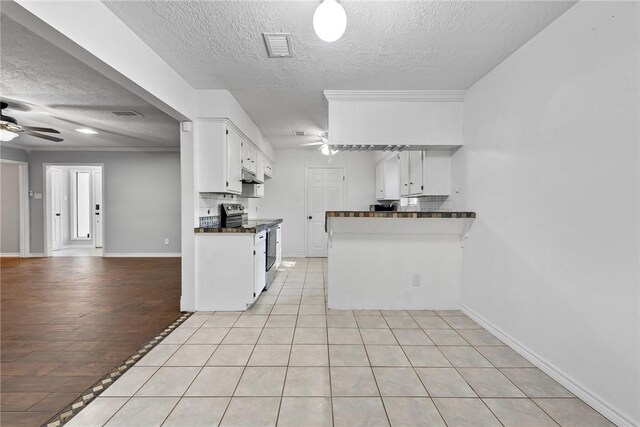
[(51, 88), (387, 45)]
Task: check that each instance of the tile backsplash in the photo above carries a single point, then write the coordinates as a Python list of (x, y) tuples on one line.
[(209, 207), (427, 203)]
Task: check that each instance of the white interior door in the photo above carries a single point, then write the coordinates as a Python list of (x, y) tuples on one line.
[(56, 209), (97, 207), (325, 192)]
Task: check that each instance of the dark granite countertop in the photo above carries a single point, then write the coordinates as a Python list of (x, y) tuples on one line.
[(253, 226), (399, 214), (396, 214)]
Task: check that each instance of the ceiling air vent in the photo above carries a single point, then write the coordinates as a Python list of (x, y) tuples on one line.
[(127, 114), (278, 45), (298, 133)]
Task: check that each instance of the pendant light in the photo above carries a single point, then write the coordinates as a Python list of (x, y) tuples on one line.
[(329, 20)]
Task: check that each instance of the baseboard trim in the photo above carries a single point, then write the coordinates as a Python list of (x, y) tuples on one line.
[(574, 387), (142, 255), (10, 254), (294, 256), (36, 255)]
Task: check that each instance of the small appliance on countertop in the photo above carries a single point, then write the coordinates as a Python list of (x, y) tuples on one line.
[(232, 215), (381, 208)]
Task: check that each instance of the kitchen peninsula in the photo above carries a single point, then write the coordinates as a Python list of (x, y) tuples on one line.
[(395, 260)]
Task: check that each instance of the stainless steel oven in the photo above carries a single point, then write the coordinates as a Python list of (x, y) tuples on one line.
[(271, 253)]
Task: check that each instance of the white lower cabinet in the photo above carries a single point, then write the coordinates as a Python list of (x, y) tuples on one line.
[(229, 277)]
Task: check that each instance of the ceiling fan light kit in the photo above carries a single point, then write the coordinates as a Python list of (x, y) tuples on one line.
[(9, 128), (329, 21), (7, 135)]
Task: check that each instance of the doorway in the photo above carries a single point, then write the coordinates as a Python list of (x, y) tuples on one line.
[(325, 192), (74, 212), (14, 209)]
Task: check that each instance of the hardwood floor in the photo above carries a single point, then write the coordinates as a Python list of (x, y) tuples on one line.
[(66, 322)]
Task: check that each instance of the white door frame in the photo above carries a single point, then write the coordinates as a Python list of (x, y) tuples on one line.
[(306, 212), (23, 190), (48, 251)]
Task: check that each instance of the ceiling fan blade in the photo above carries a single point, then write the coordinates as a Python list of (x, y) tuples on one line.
[(38, 129), (309, 144), (39, 135)]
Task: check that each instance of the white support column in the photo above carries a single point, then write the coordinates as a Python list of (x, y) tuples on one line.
[(189, 200)]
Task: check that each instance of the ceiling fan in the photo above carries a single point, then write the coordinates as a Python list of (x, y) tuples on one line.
[(323, 142), (9, 128)]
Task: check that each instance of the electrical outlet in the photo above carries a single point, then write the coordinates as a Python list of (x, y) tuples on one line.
[(416, 280), (166, 241)]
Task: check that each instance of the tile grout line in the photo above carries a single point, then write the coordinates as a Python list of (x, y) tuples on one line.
[(286, 372), (89, 395)]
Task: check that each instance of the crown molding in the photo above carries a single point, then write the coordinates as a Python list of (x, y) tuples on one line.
[(396, 95), (113, 149)]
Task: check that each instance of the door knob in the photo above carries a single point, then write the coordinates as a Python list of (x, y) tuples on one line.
[(310, 217)]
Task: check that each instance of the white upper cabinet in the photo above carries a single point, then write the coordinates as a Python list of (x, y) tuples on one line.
[(249, 160), (224, 157), (218, 158), (268, 168), (234, 158), (388, 179), (424, 173), (253, 191), (415, 173), (259, 178), (404, 173), (436, 173)]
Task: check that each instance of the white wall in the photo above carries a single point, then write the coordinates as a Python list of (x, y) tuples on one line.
[(285, 192), (550, 165), (11, 153), (9, 209), (141, 199)]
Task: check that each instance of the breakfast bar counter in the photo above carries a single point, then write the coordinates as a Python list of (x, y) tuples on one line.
[(395, 260)]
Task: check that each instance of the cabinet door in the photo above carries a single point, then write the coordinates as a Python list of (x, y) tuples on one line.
[(391, 179), (380, 181), (259, 190), (260, 167), (249, 154), (415, 173), (245, 156), (234, 159), (268, 168), (404, 173), (437, 173), (259, 266)]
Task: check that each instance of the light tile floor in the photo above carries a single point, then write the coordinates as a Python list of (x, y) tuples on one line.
[(288, 361)]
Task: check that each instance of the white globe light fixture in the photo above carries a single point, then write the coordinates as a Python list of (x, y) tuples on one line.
[(329, 20)]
